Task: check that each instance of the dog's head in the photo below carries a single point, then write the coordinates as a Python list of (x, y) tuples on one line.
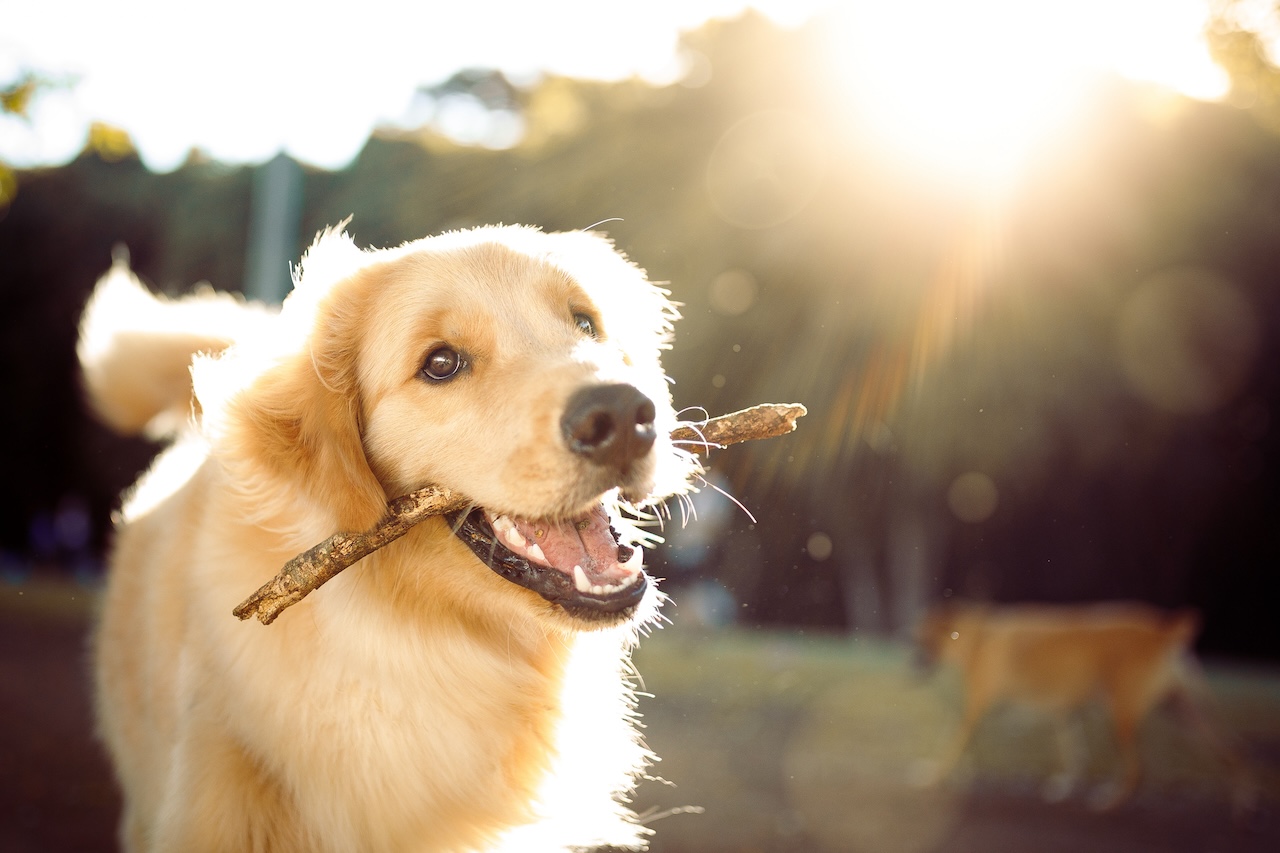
[(946, 632), (518, 368), (933, 636)]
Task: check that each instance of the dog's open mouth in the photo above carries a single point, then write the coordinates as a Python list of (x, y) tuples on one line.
[(578, 564)]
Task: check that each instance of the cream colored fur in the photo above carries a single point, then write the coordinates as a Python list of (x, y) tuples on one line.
[(1058, 658), (417, 702)]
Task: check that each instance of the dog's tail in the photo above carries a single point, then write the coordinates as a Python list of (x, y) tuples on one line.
[(1195, 701), (136, 348), (1201, 710)]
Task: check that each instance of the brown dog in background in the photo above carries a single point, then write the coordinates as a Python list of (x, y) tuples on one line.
[(464, 688), (1132, 657)]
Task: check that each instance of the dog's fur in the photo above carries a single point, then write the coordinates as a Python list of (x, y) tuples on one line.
[(1058, 658), (419, 701)]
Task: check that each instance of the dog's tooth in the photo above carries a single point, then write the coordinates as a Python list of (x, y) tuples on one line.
[(597, 589), (580, 579), (506, 530), (514, 538), (536, 552)]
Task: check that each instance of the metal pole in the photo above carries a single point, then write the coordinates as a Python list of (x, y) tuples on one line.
[(275, 216)]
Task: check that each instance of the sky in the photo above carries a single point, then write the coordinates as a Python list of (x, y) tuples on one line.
[(244, 79)]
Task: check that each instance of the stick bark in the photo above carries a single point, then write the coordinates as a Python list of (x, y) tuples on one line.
[(320, 563)]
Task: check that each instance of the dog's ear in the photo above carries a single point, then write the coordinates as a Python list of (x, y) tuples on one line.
[(294, 428), (305, 430)]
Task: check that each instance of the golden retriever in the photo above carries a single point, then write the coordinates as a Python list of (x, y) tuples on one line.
[(441, 695), (1058, 658)]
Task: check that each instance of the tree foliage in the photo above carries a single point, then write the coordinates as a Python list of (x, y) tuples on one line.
[(938, 339)]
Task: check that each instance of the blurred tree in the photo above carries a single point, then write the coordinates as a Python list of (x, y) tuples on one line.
[(1236, 42), (16, 98), (974, 423), (110, 143)]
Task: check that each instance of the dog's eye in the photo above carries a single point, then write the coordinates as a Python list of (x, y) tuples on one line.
[(585, 324), (442, 363)]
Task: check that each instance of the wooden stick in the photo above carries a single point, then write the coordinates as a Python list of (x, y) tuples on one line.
[(320, 563), (766, 420)]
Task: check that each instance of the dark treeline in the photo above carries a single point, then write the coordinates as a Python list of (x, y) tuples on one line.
[(1067, 393)]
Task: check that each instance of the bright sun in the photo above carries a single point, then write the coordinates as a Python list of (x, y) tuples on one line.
[(971, 88)]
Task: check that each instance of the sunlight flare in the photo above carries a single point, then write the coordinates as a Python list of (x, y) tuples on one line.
[(970, 90)]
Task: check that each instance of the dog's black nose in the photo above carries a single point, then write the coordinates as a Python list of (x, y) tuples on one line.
[(609, 424)]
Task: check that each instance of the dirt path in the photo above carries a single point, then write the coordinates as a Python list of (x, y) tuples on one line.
[(56, 790)]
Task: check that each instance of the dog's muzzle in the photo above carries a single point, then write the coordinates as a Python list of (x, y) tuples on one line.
[(577, 563)]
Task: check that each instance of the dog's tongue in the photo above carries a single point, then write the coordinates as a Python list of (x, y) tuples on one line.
[(585, 545)]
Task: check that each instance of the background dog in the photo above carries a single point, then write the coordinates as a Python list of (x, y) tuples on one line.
[(442, 695), (1132, 657)]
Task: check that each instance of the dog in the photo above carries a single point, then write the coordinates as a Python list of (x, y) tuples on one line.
[(439, 695), (1132, 657)]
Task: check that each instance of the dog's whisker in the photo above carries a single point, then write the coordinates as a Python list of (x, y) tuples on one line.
[(706, 416), (648, 777), (696, 428), (736, 502), (704, 445), (653, 814), (462, 517)]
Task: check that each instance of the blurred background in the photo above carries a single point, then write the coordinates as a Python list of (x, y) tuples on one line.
[(1020, 260)]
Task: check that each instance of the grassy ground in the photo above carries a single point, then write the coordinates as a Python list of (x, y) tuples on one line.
[(784, 741), (794, 742)]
